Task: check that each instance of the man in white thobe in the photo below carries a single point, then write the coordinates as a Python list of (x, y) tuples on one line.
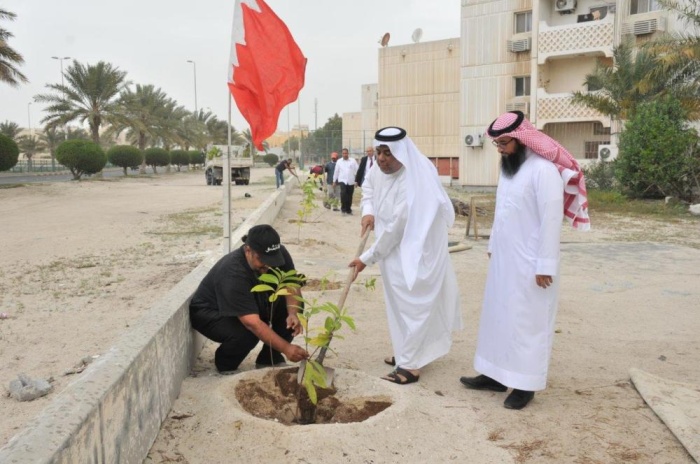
[(516, 330), (344, 175), (405, 204)]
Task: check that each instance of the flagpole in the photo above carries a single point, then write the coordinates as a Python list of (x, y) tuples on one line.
[(227, 186), (301, 132)]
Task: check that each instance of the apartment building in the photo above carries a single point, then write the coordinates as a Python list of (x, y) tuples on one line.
[(530, 55)]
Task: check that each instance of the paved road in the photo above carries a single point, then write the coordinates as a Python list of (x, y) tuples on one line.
[(28, 178)]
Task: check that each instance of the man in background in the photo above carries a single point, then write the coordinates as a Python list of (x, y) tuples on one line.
[(344, 176), (366, 163), (332, 190)]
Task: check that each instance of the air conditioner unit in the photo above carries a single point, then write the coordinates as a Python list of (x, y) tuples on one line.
[(648, 26), (607, 152), (518, 106), (473, 140), (520, 45), (564, 6)]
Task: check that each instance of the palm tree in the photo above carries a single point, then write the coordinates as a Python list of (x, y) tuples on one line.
[(52, 138), (623, 83), (73, 133), (678, 56), (141, 112), (30, 145), (10, 129), (8, 56), (89, 95), (248, 139)]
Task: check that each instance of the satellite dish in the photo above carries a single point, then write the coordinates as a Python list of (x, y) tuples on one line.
[(417, 34), (384, 41)]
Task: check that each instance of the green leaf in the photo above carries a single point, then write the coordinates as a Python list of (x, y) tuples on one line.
[(262, 288), (269, 278)]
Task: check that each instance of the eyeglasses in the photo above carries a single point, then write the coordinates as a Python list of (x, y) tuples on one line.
[(501, 143)]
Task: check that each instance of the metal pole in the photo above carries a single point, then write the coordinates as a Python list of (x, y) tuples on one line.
[(29, 118), (194, 69), (227, 187), (301, 134), (65, 131)]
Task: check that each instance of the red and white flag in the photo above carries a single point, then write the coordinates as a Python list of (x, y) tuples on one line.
[(266, 67)]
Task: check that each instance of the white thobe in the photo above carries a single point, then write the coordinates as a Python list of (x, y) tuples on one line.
[(421, 318), (517, 319)]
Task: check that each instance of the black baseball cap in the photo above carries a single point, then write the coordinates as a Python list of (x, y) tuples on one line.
[(265, 241)]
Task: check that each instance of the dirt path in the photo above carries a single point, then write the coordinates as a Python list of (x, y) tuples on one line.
[(82, 261)]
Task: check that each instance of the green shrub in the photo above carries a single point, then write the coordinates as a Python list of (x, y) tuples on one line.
[(9, 153), (600, 175), (179, 158), (81, 157), (197, 157), (271, 159), (125, 156), (156, 157), (658, 152)]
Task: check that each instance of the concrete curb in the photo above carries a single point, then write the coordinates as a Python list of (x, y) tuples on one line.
[(114, 410)]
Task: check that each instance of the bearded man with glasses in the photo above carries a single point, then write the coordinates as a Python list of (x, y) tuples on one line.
[(540, 184)]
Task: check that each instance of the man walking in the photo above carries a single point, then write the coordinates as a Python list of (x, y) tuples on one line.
[(344, 176), (332, 189), (406, 205), (516, 330)]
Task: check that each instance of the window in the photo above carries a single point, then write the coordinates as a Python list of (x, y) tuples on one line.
[(522, 86), (590, 150), (643, 6), (598, 129), (523, 22)]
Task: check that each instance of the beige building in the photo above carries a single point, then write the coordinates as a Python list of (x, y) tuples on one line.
[(530, 55), (527, 55)]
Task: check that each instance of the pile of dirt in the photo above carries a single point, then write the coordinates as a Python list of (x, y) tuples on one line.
[(274, 397)]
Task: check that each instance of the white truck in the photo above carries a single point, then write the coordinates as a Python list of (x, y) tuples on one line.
[(214, 168)]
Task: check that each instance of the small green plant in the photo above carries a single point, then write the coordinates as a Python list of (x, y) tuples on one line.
[(214, 152), (281, 283), (307, 204), (370, 283)]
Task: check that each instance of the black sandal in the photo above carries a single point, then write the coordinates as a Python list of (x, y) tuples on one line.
[(401, 376), (390, 361)]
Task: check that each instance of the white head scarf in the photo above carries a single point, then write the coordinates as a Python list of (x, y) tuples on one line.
[(426, 198)]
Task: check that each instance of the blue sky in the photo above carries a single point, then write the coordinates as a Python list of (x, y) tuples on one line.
[(153, 39)]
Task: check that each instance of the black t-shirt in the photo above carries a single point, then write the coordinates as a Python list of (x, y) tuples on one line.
[(227, 287), (284, 164)]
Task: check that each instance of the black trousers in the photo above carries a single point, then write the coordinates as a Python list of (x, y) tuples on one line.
[(237, 341), (346, 191)]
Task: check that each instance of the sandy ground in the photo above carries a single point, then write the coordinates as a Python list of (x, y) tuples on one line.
[(82, 261)]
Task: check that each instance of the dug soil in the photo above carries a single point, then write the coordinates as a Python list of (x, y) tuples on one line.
[(274, 397)]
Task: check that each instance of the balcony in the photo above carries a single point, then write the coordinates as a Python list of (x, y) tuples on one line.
[(585, 38), (557, 107)]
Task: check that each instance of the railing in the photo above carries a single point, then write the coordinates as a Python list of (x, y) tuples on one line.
[(576, 38), (559, 108), (38, 166)]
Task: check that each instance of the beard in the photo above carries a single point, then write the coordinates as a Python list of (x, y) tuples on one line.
[(510, 165)]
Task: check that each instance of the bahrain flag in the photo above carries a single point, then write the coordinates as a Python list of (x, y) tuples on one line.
[(266, 67)]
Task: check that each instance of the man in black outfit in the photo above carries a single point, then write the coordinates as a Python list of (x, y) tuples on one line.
[(366, 163), (224, 309)]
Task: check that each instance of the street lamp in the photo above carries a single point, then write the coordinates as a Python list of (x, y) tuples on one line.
[(195, 84), (61, 58), (29, 118)]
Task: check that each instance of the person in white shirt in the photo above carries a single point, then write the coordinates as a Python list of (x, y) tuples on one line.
[(344, 176), (405, 204)]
